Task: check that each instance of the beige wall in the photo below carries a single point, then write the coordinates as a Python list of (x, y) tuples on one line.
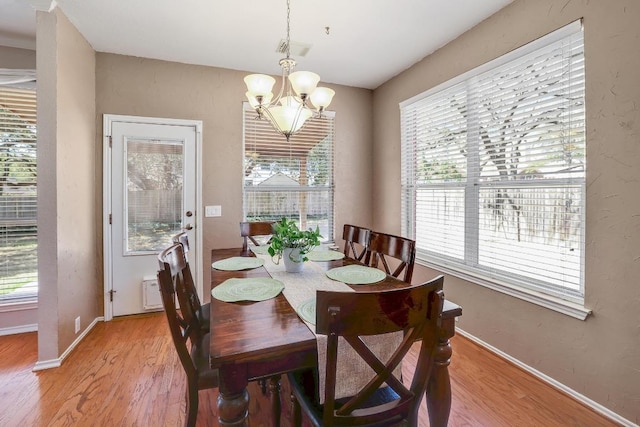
[(144, 87), (11, 57), (67, 180), (16, 320), (599, 357)]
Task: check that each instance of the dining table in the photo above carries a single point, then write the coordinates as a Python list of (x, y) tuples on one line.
[(261, 340)]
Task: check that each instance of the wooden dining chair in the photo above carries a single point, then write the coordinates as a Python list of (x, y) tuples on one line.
[(202, 311), (250, 229), (416, 311), (191, 344), (383, 246), (356, 242)]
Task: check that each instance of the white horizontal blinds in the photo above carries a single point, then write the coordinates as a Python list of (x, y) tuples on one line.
[(498, 164), (18, 197), (292, 179), (532, 166), (438, 168), (533, 232)]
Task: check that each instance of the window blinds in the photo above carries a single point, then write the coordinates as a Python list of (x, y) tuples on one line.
[(289, 179), (494, 168), (18, 206)]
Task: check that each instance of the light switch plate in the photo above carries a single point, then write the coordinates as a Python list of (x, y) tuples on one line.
[(211, 211)]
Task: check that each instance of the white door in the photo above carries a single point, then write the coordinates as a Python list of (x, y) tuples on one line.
[(152, 182)]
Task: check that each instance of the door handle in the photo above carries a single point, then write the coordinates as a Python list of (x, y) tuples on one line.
[(188, 227)]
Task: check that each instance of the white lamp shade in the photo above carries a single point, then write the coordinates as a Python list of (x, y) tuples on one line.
[(253, 101), (289, 119), (321, 97), (304, 82), (259, 84)]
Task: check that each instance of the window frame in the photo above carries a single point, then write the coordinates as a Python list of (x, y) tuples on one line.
[(469, 269)]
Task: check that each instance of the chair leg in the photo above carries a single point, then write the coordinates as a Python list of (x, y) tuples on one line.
[(274, 397), (192, 405), (296, 412)]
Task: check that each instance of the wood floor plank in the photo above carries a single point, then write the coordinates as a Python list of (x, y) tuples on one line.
[(126, 373)]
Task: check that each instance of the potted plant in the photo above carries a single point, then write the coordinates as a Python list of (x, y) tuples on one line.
[(292, 244)]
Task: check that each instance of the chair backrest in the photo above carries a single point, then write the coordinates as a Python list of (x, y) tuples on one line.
[(190, 294), (384, 246), (183, 324), (356, 241), (416, 311), (254, 228), (182, 238)]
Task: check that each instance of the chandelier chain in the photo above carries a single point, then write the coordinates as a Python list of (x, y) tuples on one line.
[(288, 28)]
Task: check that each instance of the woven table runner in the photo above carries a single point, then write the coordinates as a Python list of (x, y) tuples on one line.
[(352, 372)]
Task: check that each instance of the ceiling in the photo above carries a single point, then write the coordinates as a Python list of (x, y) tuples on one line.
[(367, 41)]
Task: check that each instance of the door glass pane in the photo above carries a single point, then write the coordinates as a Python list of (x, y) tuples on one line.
[(154, 194)]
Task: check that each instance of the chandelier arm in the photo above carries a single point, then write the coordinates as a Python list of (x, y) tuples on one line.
[(276, 126), (266, 113), (304, 123), (276, 99), (296, 120)]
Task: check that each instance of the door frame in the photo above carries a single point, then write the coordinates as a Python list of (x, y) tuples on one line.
[(108, 120)]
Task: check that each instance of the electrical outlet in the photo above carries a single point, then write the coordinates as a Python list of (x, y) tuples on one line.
[(77, 324)]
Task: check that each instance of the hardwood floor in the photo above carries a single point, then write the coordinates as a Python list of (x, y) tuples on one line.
[(126, 373)]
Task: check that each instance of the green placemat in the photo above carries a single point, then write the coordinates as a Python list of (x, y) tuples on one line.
[(307, 311), (247, 289), (325, 255), (260, 250), (238, 263), (356, 274)]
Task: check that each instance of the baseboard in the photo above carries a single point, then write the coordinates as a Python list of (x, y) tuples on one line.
[(547, 379), (19, 329), (41, 365), (55, 363)]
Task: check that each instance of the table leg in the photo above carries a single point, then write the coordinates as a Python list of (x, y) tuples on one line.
[(439, 387), (274, 397), (233, 399)]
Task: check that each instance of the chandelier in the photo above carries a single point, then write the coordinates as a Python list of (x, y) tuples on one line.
[(290, 109)]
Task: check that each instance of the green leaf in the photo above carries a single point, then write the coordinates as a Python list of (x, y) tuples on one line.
[(286, 234)]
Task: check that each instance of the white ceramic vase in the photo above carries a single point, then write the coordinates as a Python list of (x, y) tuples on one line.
[(293, 262)]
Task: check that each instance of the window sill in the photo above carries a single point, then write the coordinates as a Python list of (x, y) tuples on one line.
[(559, 305), (8, 306)]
